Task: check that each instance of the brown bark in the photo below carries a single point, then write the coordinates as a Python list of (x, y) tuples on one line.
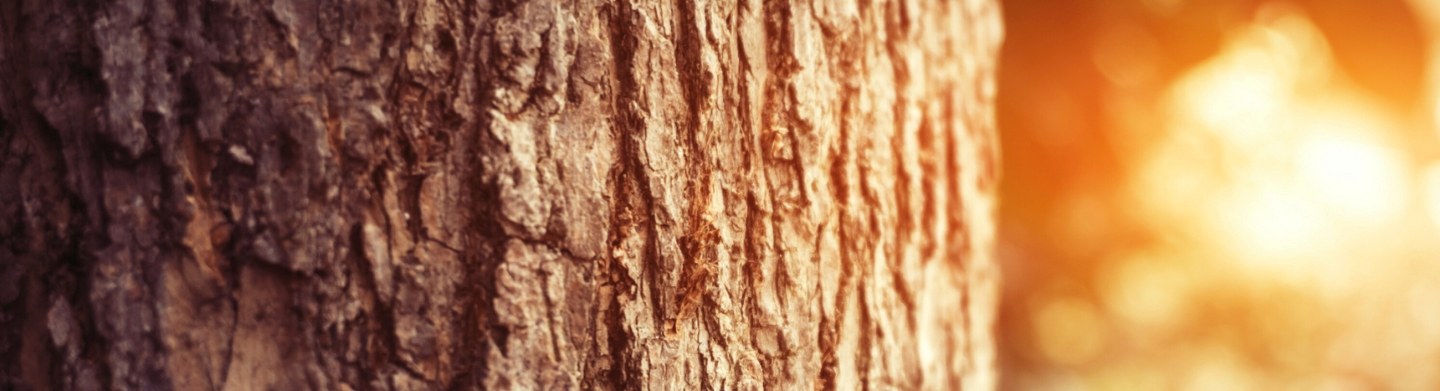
[(545, 194)]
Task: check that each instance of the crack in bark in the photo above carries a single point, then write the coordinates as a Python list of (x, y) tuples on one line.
[(632, 128), (628, 128)]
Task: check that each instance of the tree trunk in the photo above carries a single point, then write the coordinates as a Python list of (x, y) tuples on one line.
[(449, 194)]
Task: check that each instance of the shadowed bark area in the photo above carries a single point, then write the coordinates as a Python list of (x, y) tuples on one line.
[(545, 194)]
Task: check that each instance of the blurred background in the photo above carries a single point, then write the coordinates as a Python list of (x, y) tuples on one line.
[(1220, 195)]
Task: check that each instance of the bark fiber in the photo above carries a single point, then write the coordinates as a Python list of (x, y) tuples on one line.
[(543, 194)]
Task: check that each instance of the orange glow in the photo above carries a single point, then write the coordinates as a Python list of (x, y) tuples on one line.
[(1356, 178), (1431, 181), (1146, 291), (1261, 217), (1070, 331), (1304, 159)]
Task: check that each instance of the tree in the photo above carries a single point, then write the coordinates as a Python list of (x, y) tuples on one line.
[(441, 194)]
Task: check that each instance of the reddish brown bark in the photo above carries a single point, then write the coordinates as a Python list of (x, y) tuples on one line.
[(511, 194)]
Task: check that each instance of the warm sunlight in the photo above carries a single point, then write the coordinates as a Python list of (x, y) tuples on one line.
[(1302, 156), (1269, 220), (1356, 178)]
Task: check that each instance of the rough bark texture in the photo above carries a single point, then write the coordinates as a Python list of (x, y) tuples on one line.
[(545, 194)]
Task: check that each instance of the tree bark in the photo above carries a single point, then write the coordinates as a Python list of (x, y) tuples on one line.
[(544, 194)]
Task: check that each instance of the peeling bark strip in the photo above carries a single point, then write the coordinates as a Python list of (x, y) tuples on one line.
[(544, 194)]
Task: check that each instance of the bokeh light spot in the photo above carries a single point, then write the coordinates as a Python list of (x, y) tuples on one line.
[(1068, 330)]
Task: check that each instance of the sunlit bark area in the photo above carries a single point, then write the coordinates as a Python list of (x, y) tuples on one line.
[(448, 194)]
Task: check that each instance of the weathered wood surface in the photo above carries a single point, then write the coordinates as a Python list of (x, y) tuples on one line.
[(546, 194)]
